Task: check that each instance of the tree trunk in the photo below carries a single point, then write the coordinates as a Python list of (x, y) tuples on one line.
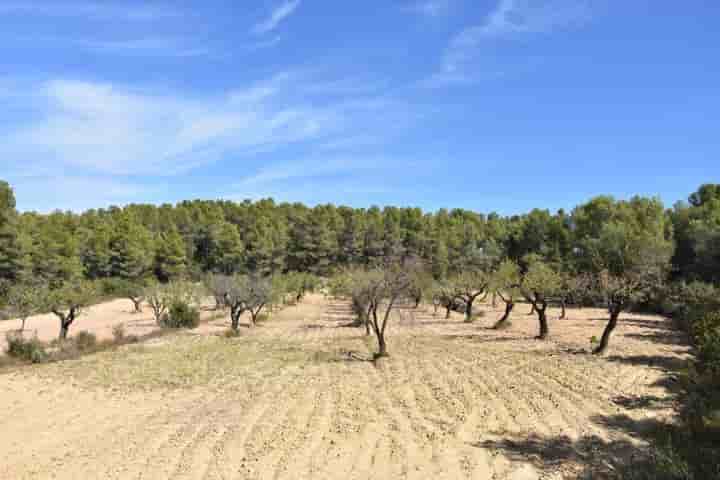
[(468, 310), (448, 309), (532, 310), (612, 323), (494, 300), (562, 306), (435, 309), (542, 319), (22, 325), (65, 322), (504, 320), (138, 304), (382, 347)]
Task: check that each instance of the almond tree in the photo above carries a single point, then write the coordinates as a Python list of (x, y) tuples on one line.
[(248, 293), (387, 286), (468, 286)]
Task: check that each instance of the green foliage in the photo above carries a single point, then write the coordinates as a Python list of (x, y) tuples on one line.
[(130, 248), (170, 256), (541, 281), (23, 301), (505, 280), (30, 350), (180, 315), (11, 254)]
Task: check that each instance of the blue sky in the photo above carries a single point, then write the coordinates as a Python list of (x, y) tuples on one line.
[(499, 105)]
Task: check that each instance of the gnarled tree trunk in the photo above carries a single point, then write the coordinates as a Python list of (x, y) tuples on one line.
[(504, 320), (612, 323)]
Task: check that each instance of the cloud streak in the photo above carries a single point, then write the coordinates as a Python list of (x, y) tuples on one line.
[(100, 128), (508, 19), (279, 14), (87, 10)]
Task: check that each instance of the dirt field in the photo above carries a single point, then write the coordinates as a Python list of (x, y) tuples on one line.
[(297, 398)]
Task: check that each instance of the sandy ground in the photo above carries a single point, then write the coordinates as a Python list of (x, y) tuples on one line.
[(98, 319), (296, 398)]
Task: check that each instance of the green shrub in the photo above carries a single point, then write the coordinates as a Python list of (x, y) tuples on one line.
[(262, 317), (85, 340), (180, 315), (31, 350)]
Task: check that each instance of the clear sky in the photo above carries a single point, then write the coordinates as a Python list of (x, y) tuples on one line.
[(491, 105)]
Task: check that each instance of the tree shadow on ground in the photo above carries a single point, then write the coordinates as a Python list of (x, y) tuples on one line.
[(483, 338), (662, 362), (667, 338), (588, 457)]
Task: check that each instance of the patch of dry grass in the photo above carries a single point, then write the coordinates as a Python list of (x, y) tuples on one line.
[(182, 362)]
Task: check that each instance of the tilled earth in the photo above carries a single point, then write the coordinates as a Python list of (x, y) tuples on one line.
[(298, 398)]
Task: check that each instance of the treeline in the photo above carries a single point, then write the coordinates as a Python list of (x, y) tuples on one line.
[(264, 237)]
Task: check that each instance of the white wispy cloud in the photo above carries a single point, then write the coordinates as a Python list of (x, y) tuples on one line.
[(279, 14), (88, 10), (429, 8), (147, 46), (101, 128), (313, 167), (509, 18)]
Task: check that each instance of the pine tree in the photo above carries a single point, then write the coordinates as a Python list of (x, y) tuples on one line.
[(10, 248), (131, 251), (170, 256)]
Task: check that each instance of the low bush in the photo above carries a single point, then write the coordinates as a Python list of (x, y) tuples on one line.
[(31, 350), (118, 332), (180, 315), (85, 340), (231, 333)]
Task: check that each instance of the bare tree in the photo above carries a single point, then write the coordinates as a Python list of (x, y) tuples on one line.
[(468, 286), (218, 286), (160, 297), (386, 287)]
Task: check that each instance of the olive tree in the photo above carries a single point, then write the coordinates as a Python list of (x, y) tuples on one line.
[(539, 285), (68, 302)]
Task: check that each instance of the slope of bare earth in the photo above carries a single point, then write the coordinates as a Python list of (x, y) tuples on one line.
[(296, 398), (98, 319)]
